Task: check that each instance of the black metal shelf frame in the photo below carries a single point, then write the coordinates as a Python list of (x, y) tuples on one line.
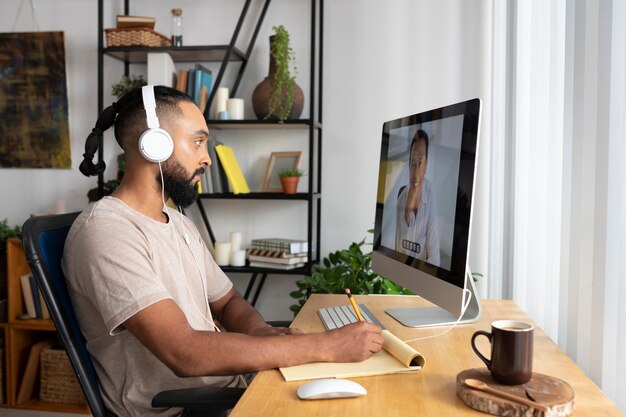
[(224, 53), (313, 124)]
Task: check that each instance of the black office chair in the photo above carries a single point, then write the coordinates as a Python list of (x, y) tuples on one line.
[(43, 240)]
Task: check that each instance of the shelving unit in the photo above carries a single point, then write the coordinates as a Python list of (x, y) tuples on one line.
[(312, 124), (20, 335)]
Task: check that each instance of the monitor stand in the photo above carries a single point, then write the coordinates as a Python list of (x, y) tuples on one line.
[(436, 316)]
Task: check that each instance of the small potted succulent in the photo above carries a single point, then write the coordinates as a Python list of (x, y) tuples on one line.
[(289, 179)]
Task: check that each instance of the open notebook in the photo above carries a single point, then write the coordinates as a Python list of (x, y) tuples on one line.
[(395, 357)]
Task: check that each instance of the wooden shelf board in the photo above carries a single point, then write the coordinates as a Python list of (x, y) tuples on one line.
[(195, 53), (33, 324)]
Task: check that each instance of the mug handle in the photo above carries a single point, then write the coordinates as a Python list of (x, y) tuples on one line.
[(488, 336)]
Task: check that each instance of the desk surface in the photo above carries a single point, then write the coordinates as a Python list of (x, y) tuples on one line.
[(430, 392)]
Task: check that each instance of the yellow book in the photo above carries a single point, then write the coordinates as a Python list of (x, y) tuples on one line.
[(396, 356), (233, 171)]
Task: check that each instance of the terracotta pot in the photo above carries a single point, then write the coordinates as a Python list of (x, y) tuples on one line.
[(263, 92), (290, 184)]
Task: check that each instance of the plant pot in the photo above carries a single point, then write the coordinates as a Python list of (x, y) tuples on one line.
[(290, 184), (263, 92)]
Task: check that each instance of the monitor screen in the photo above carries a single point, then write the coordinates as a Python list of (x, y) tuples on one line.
[(424, 201)]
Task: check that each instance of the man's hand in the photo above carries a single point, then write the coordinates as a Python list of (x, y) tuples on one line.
[(354, 342)]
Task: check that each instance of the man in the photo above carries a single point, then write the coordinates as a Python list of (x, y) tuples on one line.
[(146, 290), (417, 233)]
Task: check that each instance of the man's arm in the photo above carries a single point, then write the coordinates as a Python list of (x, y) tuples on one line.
[(237, 315), (164, 330)]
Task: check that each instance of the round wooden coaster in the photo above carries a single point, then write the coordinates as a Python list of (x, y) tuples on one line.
[(554, 393)]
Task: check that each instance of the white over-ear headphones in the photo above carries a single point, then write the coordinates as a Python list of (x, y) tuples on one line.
[(155, 144)]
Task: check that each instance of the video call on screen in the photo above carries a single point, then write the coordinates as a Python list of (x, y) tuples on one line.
[(428, 236)]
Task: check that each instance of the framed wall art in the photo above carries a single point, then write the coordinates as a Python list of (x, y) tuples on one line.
[(34, 127)]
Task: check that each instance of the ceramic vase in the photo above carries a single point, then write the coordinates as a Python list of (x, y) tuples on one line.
[(263, 92)]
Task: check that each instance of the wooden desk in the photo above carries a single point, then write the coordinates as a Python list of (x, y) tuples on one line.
[(430, 392)]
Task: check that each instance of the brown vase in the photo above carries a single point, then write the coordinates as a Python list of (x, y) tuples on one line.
[(263, 92), (290, 184)]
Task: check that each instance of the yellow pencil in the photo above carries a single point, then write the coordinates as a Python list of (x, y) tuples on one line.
[(354, 305)]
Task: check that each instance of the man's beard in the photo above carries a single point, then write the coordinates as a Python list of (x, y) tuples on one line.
[(178, 186)]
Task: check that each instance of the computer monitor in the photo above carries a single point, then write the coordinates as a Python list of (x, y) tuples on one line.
[(423, 210)]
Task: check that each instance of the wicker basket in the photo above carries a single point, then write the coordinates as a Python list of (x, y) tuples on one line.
[(137, 36), (58, 382)]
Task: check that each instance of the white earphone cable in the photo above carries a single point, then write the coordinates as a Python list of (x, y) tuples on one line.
[(464, 304), (180, 260)]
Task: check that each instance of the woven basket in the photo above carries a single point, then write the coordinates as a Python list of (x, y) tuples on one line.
[(137, 36), (58, 382)]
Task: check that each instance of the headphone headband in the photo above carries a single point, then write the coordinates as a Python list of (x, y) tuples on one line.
[(149, 103)]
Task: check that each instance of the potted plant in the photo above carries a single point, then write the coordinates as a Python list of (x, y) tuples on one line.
[(127, 84), (278, 97), (345, 268), (289, 178)]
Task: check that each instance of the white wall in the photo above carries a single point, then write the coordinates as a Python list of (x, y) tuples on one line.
[(382, 60)]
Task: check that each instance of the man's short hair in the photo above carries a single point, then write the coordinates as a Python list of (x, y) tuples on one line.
[(131, 120), (419, 135)]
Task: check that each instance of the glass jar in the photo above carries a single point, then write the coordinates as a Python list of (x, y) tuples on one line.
[(177, 27)]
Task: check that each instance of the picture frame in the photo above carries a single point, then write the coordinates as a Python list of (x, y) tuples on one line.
[(279, 161)]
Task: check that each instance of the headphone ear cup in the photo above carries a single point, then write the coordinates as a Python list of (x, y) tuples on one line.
[(156, 145)]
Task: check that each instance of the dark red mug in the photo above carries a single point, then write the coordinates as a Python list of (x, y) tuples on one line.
[(511, 360)]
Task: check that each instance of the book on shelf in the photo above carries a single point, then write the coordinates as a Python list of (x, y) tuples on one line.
[(282, 260), (215, 165), (233, 171), (35, 294), (181, 80), (126, 21), (272, 265), (208, 181), (34, 303), (45, 313), (396, 356), (161, 69), (281, 244), (27, 293), (273, 253), (191, 82), (202, 87)]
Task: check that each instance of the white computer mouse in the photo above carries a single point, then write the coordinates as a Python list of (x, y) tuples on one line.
[(330, 388)]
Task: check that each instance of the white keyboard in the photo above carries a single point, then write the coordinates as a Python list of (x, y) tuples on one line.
[(339, 316)]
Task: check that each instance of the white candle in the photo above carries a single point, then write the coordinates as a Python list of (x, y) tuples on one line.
[(235, 107), (222, 253), (235, 241), (221, 96), (238, 258)]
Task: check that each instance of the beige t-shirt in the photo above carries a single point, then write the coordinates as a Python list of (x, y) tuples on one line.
[(117, 262)]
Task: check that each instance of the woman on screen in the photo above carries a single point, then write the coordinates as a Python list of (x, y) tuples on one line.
[(417, 234)]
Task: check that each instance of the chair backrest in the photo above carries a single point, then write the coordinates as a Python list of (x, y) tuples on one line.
[(43, 240)]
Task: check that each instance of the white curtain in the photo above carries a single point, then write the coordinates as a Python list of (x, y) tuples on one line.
[(558, 188)]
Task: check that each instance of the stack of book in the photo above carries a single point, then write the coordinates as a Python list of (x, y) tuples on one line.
[(224, 175), (197, 83), (36, 307), (278, 253)]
